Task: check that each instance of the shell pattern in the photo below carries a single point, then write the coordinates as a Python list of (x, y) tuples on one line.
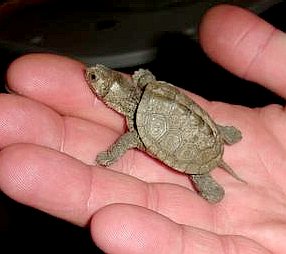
[(174, 133)]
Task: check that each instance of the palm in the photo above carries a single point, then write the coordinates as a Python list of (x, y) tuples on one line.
[(61, 113), (255, 209)]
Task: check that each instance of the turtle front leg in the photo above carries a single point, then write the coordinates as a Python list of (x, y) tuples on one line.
[(143, 77), (127, 141), (208, 188)]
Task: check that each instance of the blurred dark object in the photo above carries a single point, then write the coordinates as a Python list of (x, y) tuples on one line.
[(116, 33), (32, 231)]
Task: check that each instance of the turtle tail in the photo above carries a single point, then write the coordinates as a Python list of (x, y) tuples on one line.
[(228, 169)]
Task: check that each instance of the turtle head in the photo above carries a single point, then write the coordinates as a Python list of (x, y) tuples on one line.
[(100, 79), (114, 89)]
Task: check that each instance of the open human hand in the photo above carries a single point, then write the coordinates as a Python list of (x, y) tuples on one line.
[(52, 126)]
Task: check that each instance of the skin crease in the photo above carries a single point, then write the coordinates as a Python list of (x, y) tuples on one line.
[(52, 127)]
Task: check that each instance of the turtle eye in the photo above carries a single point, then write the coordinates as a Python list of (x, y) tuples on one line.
[(92, 77)]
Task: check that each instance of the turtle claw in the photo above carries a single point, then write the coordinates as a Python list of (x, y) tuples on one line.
[(104, 159)]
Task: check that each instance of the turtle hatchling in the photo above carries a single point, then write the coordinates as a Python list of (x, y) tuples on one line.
[(166, 124)]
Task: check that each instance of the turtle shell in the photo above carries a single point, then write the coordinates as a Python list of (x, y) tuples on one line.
[(177, 131)]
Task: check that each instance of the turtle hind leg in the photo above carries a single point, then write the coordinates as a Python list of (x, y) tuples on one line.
[(143, 77), (207, 187), (229, 134)]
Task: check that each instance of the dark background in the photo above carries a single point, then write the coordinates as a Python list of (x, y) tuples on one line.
[(179, 60)]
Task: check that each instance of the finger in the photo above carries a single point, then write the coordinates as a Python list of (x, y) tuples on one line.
[(69, 189), (59, 83), (25, 121), (127, 229), (245, 45)]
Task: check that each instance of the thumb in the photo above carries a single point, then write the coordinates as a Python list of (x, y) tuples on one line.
[(122, 228), (246, 45)]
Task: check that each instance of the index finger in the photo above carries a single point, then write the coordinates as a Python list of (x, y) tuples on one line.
[(59, 83)]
